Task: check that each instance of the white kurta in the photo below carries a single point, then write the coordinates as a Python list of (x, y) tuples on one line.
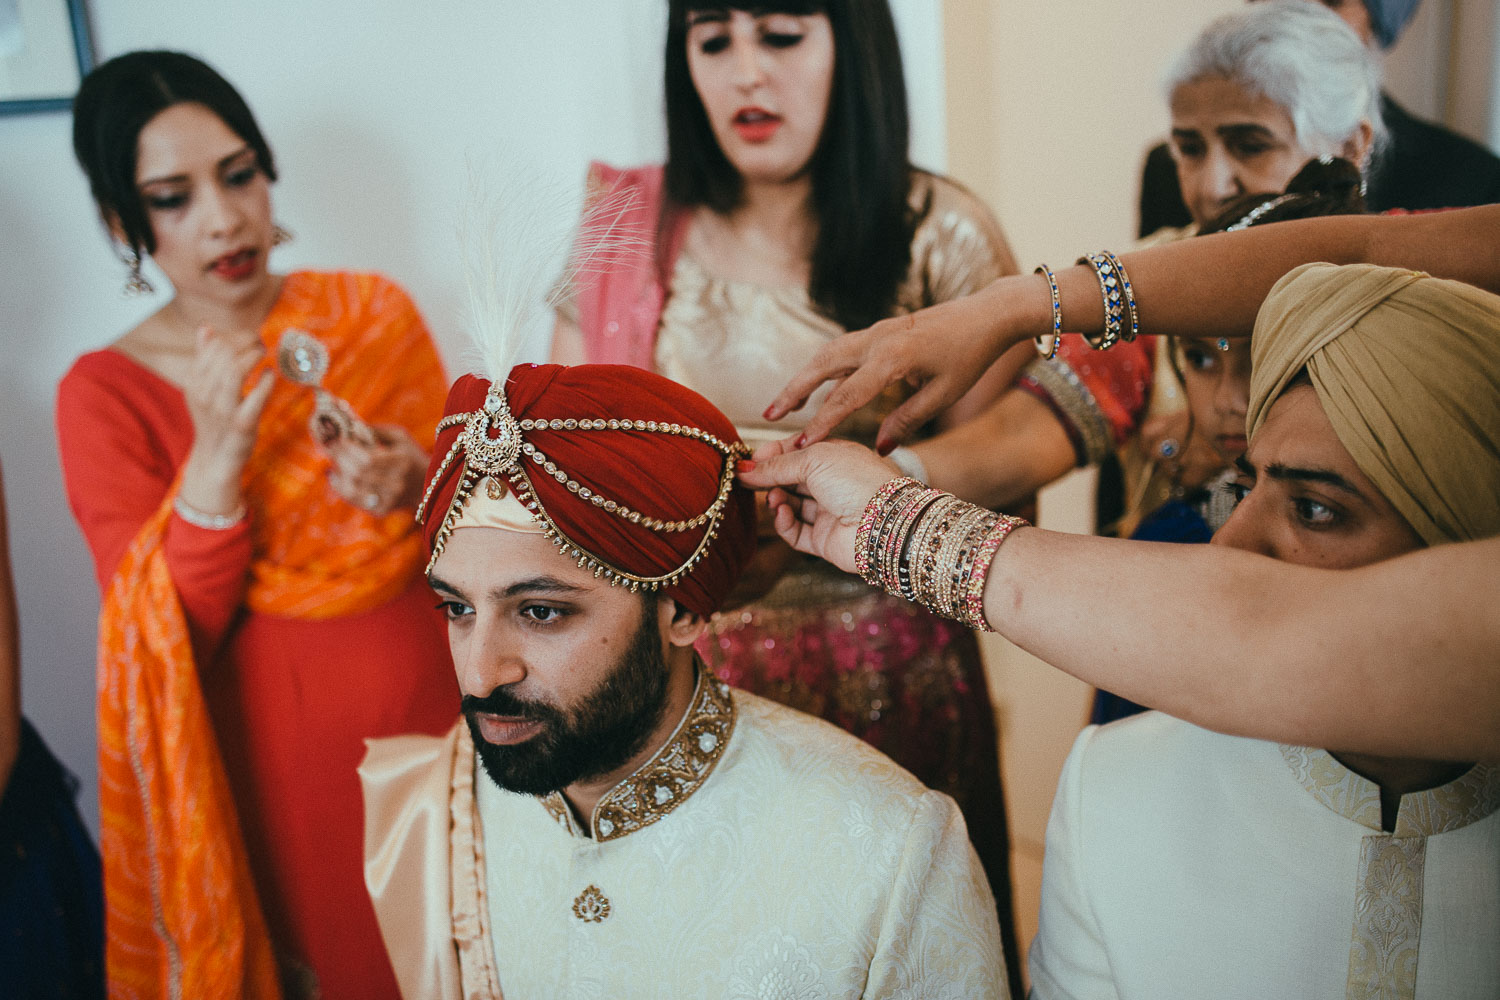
[(786, 860), (1185, 863)]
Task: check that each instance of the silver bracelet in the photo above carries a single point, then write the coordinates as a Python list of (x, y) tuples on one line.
[(213, 522)]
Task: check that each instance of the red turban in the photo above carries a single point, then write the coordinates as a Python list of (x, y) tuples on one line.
[(671, 465)]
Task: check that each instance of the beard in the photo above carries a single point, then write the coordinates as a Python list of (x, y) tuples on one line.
[(600, 734)]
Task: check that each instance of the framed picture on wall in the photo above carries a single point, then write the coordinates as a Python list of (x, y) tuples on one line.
[(45, 49)]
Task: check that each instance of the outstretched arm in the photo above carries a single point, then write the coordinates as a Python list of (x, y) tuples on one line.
[(1400, 658), (1210, 286), (1384, 658)]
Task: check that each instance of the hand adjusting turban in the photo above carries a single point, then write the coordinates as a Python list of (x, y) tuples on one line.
[(1407, 368), (629, 474)]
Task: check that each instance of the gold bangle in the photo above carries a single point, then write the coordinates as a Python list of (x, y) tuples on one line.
[(1135, 317), (972, 612), (1114, 307), (865, 537), (932, 548)]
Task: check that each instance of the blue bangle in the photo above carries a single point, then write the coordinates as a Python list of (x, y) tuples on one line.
[(1046, 347)]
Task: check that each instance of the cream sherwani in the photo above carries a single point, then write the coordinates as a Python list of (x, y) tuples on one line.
[(760, 853), (1184, 863)]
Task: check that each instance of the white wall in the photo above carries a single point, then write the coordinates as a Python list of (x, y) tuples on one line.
[(1416, 68), (1493, 125), (1446, 67), (373, 109)]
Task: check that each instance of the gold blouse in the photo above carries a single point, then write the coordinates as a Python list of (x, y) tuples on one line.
[(738, 343)]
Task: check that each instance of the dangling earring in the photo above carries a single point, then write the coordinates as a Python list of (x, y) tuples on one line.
[(135, 282), (280, 235)]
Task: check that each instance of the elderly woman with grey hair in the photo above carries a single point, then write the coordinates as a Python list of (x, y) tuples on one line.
[(1263, 90), (1421, 165)]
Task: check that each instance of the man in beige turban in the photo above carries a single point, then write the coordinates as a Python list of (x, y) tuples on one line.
[(1186, 863)]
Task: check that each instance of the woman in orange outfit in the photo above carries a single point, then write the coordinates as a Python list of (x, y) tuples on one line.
[(263, 608)]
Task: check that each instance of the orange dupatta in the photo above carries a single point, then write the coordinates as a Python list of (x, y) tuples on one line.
[(182, 916)]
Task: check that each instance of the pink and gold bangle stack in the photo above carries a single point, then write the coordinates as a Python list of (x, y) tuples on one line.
[(864, 545), (931, 548)]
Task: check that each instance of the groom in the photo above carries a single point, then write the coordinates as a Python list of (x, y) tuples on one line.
[(609, 818)]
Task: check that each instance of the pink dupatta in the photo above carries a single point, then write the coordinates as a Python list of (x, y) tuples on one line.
[(621, 295)]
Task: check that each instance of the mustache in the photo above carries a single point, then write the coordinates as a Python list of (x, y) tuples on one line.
[(502, 702)]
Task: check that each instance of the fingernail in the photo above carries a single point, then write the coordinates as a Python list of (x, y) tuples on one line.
[(744, 465), (768, 411), (884, 447), (801, 441)]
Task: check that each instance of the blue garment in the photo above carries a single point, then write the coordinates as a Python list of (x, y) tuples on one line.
[(51, 884), (1174, 521), (1389, 17)]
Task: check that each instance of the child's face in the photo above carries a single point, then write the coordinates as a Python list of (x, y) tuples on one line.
[(1216, 374)]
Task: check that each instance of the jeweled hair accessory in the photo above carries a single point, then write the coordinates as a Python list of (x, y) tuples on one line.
[(1253, 216)]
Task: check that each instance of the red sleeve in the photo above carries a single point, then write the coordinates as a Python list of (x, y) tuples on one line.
[(1119, 378), (122, 435), (1098, 396)]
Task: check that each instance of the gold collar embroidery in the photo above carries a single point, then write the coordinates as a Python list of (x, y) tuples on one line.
[(671, 776), (1465, 800)]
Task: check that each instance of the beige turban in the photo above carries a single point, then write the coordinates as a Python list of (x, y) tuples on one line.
[(1407, 368)]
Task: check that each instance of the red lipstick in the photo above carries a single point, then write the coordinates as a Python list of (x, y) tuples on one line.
[(236, 266), (755, 124)]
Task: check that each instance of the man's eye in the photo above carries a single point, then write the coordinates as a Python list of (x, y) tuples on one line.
[(542, 613), (1237, 490), (1245, 150), (1189, 149), (1314, 514), (453, 610)]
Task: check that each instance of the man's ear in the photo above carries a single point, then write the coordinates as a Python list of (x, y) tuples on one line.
[(681, 626)]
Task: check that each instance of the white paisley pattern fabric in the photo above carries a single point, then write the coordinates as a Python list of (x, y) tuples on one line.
[(803, 864), (1182, 863)]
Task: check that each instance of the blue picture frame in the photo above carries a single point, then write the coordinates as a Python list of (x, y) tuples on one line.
[(83, 52)]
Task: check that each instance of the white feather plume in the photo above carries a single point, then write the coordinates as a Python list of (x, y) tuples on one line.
[(523, 251)]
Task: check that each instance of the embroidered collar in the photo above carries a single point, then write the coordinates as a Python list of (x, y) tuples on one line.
[(671, 776), (1466, 799)]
